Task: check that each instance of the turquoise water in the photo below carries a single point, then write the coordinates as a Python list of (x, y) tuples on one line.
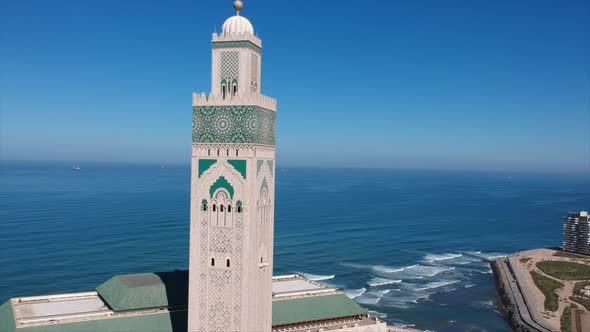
[(412, 246)]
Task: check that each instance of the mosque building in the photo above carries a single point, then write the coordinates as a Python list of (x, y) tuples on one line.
[(229, 285)]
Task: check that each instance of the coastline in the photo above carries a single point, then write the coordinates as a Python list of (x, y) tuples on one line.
[(525, 304), (511, 299)]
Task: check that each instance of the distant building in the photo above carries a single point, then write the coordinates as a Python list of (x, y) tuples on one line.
[(576, 232)]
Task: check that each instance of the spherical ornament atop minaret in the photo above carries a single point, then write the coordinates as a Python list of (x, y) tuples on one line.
[(238, 5), (237, 25)]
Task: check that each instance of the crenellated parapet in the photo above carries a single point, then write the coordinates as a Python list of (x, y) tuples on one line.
[(251, 99)]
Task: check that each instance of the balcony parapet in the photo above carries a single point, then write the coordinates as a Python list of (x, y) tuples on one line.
[(221, 37), (252, 99)]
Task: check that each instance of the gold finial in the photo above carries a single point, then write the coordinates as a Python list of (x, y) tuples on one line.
[(238, 5)]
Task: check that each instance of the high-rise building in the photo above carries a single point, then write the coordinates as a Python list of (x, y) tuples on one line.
[(232, 189), (576, 232)]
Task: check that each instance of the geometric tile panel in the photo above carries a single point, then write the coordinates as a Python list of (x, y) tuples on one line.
[(234, 124), (229, 65)]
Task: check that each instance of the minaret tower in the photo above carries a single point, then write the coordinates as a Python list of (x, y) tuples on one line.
[(232, 189)]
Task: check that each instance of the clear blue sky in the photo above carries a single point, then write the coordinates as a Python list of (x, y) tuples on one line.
[(454, 84)]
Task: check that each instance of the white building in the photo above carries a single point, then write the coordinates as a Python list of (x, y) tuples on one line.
[(232, 189), (232, 197), (576, 232)]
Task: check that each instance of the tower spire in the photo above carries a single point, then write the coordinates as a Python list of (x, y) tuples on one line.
[(238, 5)]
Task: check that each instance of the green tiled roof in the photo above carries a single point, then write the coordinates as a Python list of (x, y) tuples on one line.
[(155, 290), (6, 317), (142, 291), (160, 322), (314, 308)]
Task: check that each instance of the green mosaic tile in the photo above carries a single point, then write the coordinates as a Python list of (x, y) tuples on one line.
[(222, 183), (239, 165), (234, 124), (205, 164), (236, 44)]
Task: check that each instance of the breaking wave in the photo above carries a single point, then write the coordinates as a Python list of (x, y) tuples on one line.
[(354, 293), (437, 284), (486, 256), (415, 271), (382, 281), (441, 257), (388, 269), (316, 277)]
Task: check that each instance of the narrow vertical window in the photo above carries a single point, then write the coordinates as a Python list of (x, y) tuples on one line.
[(214, 207), (236, 153), (229, 208), (223, 91), (235, 89), (209, 152), (227, 152), (212, 261), (221, 208), (227, 263)]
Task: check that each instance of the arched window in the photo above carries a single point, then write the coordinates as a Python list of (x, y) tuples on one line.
[(223, 91), (236, 153), (209, 152), (227, 263), (221, 208), (212, 261), (229, 208), (204, 205), (214, 207), (239, 206), (234, 87)]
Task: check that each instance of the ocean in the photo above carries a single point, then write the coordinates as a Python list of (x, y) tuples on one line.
[(411, 246)]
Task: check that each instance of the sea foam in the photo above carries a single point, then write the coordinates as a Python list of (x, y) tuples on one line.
[(441, 257), (382, 281), (437, 284), (354, 293), (316, 277)]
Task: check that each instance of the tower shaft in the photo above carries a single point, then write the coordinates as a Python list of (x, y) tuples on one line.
[(232, 190)]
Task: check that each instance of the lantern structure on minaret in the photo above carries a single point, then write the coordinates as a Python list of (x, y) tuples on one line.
[(232, 189)]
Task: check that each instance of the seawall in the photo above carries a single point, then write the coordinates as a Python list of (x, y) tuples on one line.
[(512, 304)]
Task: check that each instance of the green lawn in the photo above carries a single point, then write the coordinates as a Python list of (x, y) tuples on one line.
[(565, 270), (566, 320), (547, 287), (570, 255)]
